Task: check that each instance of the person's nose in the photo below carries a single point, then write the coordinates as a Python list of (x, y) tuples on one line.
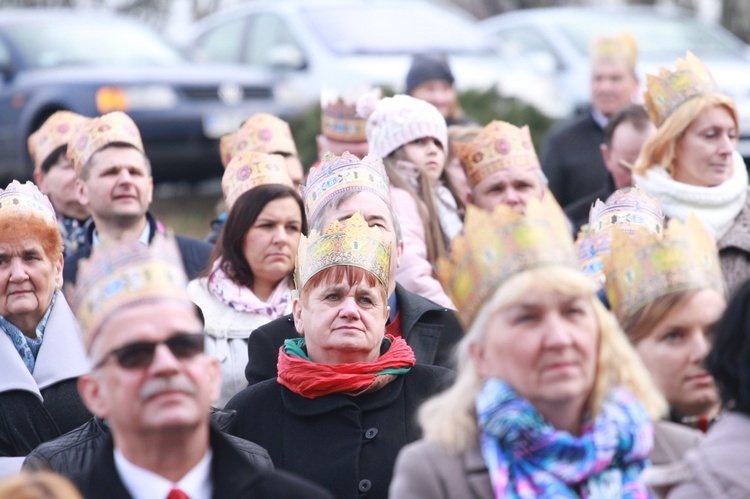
[(700, 346), (557, 332), (18, 271), (349, 308), (164, 361), (726, 145), (512, 197), (280, 235)]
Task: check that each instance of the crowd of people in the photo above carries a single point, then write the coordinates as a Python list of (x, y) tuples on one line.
[(428, 311)]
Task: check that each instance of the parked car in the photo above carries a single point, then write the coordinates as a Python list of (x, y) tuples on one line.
[(555, 43), (344, 43), (92, 63)]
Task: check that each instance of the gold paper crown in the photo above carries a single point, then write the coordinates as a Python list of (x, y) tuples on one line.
[(626, 210), (95, 133), (260, 133), (498, 245), (351, 242), (53, 134), (622, 46), (339, 118), (251, 169), (123, 274), (669, 89), (498, 146), (346, 173), (644, 266), (18, 200)]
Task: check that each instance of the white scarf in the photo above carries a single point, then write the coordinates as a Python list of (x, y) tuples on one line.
[(716, 207)]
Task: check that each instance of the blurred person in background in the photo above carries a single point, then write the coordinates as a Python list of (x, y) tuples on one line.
[(454, 169), (39, 485), (571, 156), (430, 79), (55, 176), (342, 129), (249, 279)]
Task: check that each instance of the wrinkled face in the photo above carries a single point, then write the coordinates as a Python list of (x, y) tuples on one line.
[(439, 93), (428, 154), (270, 245), (59, 184), (626, 145), (169, 394), (28, 279), (703, 155), (613, 86), (674, 353), (119, 188), (514, 186), (342, 322), (545, 347)]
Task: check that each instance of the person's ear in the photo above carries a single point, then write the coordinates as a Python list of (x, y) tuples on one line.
[(476, 352), (214, 378), (83, 196), (297, 314), (92, 394)]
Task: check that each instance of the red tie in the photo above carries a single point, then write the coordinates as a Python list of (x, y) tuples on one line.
[(177, 494)]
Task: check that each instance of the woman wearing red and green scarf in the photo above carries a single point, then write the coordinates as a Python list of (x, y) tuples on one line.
[(346, 397)]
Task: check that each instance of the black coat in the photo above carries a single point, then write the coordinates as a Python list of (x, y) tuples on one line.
[(233, 477), (578, 212), (346, 444), (430, 330), (572, 159), (194, 253)]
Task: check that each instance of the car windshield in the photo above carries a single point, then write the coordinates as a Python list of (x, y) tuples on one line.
[(54, 44), (393, 29), (656, 36)]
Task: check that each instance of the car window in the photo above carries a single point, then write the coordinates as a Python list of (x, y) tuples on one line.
[(269, 38), (222, 43)]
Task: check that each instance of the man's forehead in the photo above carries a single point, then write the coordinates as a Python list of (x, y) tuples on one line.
[(149, 321), (368, 204), (118, 156)]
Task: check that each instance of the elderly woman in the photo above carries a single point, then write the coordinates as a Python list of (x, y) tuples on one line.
[(550, 399), (344, 400), (41, 353), (249, 280), (690, 163)]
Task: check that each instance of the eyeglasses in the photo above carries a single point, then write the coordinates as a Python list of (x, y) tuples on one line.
[(140, 354)]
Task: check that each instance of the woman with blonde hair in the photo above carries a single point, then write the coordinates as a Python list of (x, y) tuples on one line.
[(38, 485), (690, 163), (550, 399)]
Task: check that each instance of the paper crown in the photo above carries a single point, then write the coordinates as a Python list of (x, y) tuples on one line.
[(622, 46), (346, 173), (497, 245), (260, 133), (95, 133), (626, 210), (351, 242), (53, 134), (667, 91), (339, 118), (251, 169), (498, 146), (644, 266), (18, 200), (124, 274)]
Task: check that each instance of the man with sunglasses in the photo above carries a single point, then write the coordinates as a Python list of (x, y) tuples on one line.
[(154, 384)]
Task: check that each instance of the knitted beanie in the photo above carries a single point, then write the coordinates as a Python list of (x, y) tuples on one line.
[(398, 120), (425, 68)]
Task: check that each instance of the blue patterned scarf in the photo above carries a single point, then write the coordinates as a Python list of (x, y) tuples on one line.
[(27, 348), (528, 458)]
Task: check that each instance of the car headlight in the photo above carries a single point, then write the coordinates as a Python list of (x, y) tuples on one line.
[(143, 97)]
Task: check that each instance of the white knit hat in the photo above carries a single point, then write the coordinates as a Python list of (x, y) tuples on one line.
[(398, 120)]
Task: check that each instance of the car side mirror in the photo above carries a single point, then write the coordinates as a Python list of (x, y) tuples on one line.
[(286, 57)]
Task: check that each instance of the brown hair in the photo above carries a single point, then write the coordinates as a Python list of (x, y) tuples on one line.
[(640, 324), (20, 227), (341, 273)]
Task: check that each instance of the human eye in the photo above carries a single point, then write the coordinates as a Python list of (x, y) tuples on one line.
[(366, 300), (293, 228), (673, 336)]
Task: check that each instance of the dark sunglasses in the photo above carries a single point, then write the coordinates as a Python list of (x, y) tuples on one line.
[(140, 354)]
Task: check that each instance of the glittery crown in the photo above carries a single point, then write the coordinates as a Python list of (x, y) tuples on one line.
[(626, 210), (123, 274), (95, 133), (498, 146), (250, 169), (339, 118), (669, 89), (260, 133), (622, 46), (346, 173), (644, 266), (497, 245), (53, 134), (351, 242), (18, 200)]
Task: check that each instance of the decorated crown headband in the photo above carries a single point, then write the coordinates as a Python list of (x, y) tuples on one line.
[(260, 133), (95, 133), (18, 200), (669, 89), (251, 169), (346, 173), (351, 242), (644, 266), (339, 118), (622, 46), (123, 274), (498, 245), (53, 134), (498, 146)]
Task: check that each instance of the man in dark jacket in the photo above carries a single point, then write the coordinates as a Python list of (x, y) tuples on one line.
[(115, 184)]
